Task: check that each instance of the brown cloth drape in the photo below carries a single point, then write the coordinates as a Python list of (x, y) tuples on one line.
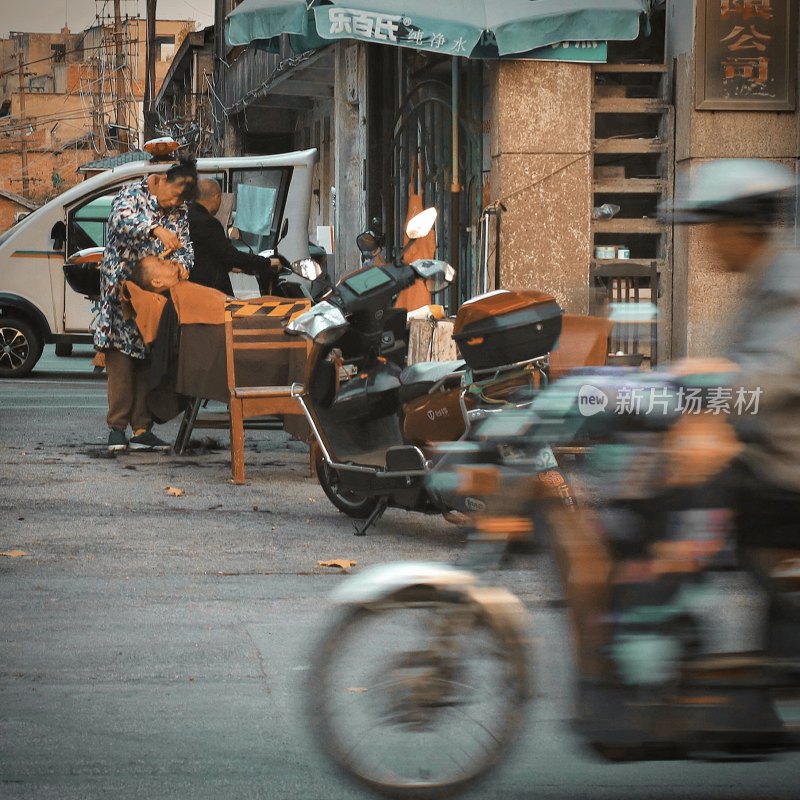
[(417, 294)]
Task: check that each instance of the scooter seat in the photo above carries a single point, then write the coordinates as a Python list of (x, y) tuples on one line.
[(417, 379)]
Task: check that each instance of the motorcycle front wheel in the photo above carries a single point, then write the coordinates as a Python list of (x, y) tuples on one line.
[(419, 695), (350, 503)]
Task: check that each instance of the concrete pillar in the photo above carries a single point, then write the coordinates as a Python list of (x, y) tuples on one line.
[(541, 136), (704, 297), (350, 146)]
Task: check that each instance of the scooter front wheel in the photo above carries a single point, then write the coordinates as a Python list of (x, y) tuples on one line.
[(418, 695), (350, 503)]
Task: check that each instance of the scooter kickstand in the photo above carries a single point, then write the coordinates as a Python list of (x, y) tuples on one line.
[(376, 514)]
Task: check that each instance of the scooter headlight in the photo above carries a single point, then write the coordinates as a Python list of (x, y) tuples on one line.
[(307, 268)]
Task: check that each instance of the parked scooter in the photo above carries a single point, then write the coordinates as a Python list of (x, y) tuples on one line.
[(374, 419), (441, 660)]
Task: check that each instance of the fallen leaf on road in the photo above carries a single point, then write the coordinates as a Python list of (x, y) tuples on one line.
[(342, 563), (13, 553), (174, 491)]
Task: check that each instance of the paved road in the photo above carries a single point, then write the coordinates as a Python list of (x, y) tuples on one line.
[(157, 646)]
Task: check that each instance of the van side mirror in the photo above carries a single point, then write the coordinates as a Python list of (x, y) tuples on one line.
[(59, 235)]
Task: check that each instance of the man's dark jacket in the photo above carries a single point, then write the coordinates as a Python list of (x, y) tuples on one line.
[(214, 255)]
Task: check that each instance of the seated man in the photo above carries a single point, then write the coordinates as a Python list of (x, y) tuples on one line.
[(154, 274), (151, 279), (160, 297)]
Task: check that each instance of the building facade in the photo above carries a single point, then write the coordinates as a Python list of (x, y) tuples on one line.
[(538, 150), (63, 101)]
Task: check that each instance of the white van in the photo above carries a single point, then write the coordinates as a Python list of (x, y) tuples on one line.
[(269, 197)]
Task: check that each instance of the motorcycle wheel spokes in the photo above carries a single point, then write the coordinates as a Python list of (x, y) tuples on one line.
[(413, 706)]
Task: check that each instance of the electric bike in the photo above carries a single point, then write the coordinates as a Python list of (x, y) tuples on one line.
[(374, 419), (419, 687)]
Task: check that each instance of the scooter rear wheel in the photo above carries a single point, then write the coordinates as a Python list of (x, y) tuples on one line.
[(350, 503), (418, 696)]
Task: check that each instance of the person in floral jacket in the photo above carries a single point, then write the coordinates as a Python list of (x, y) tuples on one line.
[(148, 217)]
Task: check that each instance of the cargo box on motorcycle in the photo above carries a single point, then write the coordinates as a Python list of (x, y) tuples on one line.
[(507, 326)]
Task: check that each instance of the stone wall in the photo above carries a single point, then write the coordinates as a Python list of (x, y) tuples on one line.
[(541, 170), (8, 212), (41, 167), (704, 297)]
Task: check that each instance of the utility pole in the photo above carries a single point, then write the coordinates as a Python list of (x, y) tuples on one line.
[(119, 80), (150, 73), (22, 134), (98, 117)]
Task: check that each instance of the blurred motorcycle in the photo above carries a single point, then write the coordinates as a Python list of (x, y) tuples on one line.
[(418, 690)]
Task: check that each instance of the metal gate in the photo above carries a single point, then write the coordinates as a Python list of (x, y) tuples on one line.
[(424, 108)]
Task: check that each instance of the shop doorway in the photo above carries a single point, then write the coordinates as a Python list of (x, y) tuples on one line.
[(410, 150)]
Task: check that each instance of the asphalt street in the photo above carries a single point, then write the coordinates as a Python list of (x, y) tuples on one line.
[(158, 646)]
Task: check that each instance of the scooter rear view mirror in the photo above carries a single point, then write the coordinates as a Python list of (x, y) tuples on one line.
[(436, 274), (420, 224), (367, 242)]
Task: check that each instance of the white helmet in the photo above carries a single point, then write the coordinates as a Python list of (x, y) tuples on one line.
[(735, 188)]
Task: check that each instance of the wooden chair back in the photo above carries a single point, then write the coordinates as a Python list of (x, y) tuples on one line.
[(621, 282), (583, 343), (262, 364)]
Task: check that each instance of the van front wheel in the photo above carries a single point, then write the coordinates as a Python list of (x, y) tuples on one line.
[(20, 347)]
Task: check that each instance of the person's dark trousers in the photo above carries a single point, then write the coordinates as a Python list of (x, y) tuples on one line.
[(768, 534), (127, 392)]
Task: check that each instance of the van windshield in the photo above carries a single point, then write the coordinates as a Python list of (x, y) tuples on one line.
[(259, 196)]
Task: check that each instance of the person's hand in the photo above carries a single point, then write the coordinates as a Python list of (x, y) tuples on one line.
[(167, 237), (180, 271), (697, 447)]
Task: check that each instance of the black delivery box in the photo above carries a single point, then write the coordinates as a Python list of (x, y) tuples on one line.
[(506, 326)]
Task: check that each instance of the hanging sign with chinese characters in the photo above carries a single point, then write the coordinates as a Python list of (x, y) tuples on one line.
[(584, 52), (747, 55), (434, 35), (335, 22)]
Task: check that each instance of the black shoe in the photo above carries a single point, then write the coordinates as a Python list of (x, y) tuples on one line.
[(117, 440), (148, 441)]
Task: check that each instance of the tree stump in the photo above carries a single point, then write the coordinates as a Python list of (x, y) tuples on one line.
[(431, 340)]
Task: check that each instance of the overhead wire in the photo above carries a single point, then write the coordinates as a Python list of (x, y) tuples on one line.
[(53, 56), (46, 120), (93, 102)]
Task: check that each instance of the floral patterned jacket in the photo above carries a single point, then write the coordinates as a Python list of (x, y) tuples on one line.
[(134, 214)]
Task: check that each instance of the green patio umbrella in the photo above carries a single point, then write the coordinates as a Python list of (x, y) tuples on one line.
[(469, 28), (466, 28)]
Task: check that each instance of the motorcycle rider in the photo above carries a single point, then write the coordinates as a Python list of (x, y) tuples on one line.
[(744, 205)]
